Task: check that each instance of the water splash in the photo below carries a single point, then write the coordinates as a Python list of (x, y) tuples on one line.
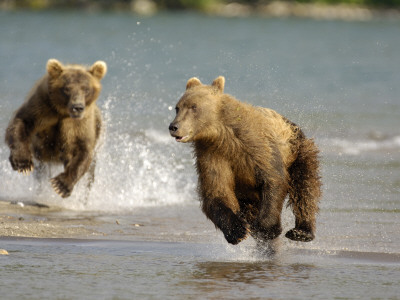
[(134, 168)]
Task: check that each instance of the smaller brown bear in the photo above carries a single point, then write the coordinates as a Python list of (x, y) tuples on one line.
[(59, 123), (248, 159)]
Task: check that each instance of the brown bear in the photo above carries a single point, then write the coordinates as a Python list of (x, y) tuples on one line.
[(59, 123), (248, 159)]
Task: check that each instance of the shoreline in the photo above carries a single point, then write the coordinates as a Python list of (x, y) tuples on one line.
[(361, 257), (30, 220), (316, 11), (33, 220), (38, 225), (273, 9)]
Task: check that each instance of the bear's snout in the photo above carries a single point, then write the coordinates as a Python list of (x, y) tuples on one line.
[(173, 131), (173, 127), (76, 110)]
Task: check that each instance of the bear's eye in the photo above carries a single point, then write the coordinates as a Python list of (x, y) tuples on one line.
[(194, 107), (66, 90), (86, 90)]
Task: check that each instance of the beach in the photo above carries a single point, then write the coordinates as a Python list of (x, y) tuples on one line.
[(63, 254), (31, 220)]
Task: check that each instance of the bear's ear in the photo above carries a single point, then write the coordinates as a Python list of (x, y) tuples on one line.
[(54, 68), (98, 69), (192, 82), (219, 83)]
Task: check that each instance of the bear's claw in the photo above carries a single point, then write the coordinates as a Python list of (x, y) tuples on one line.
[(25, 170), (296, 234), (239, 232), (60, 188), (22, 166)]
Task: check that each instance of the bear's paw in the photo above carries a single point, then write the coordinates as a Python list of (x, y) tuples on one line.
[(21, 163), (299, 235), (60, 187), (238, 231)]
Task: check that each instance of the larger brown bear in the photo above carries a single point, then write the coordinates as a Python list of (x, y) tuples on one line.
[(59, 123), (248, 159)]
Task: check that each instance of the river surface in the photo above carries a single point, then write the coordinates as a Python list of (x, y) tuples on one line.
[(340, 81)]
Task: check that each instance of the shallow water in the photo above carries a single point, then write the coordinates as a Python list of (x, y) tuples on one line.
[(338, 80), (176, 270)]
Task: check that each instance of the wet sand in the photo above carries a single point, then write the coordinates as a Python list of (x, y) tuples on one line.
[(171, 252), (152, 224), (33, 220), (19, 219)]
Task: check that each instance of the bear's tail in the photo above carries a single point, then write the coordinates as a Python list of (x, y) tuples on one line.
[(305, 190)]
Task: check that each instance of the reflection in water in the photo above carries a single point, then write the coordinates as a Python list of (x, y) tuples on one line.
[(217, 278)]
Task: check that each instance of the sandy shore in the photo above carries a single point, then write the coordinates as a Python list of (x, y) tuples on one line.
[(32, 220), (151, 224), (39, 221), (144, 224)]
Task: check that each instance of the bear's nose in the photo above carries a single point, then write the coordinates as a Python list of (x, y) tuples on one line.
[(78, 108), (173, 127)]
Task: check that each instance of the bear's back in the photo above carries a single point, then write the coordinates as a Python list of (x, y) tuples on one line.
[(281, 130)]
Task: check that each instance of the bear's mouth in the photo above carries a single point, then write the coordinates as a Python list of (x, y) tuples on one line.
[(76, 115), (76, 111), (181, 138)]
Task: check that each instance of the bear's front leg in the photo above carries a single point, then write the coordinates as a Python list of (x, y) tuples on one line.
[(75, 166), (18, 140), (233, 227), (268, 226), (266, 231), (219, 202)]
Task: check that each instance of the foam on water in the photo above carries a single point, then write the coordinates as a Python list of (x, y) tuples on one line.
[(358, 146)]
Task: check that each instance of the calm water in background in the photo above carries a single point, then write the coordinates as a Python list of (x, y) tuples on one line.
[(339, 80)]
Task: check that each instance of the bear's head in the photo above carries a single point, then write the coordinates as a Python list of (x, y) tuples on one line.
[(197, 111), (72, 88)]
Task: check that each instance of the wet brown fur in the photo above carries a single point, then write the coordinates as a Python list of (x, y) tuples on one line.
[(59, 123), (248, 160)]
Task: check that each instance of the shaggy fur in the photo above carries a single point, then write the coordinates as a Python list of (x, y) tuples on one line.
[(60, 123), (248, 160)]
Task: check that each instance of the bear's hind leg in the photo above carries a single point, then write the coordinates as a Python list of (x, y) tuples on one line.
[(304, 191)]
